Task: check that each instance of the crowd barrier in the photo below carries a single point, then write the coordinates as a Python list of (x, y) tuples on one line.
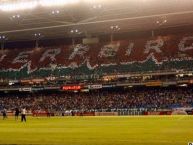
[(106, 113), (85, 114), (130, 112), (158, 113), (40, 113)]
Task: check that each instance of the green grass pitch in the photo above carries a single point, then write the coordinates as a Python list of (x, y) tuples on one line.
[(136, 130)]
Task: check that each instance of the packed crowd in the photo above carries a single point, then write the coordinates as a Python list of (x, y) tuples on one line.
[(98, 100)]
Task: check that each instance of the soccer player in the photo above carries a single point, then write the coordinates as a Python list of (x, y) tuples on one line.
[(4, 112), (72, 113), (16, 113), (23, 115)]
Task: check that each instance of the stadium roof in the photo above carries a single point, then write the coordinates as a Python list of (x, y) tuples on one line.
[(94, 17)]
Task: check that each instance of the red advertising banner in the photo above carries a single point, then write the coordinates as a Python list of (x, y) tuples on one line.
[(191, 82), (66, 88)]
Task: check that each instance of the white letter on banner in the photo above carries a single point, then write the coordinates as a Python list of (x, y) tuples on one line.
[(130, 47), (2, 57), (23, 57), (79, 50), (155, 45), (182, 45), (109, 50), (50, 53)]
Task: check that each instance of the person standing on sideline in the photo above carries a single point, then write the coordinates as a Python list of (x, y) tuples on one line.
[(16, 113), (4, 112), (23, 115)]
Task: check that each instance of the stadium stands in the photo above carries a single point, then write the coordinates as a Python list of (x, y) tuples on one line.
[(138, 98)]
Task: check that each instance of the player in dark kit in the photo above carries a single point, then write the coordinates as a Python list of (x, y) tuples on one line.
[(16, 113), (4, 112)]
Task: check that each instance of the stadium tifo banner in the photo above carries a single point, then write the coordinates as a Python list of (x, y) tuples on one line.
[(159, 49)]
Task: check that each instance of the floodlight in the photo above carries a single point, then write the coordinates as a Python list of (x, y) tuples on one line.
[(49, 3), (18, 5)]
